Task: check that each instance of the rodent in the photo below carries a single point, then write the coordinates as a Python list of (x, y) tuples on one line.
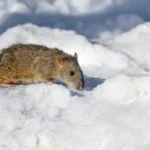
[(30, 63)]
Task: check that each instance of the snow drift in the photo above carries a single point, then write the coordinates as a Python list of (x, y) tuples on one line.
[(111, 113), (91, 18)]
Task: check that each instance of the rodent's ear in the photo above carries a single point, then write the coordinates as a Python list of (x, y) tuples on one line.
[(60, 60), (76, 55)]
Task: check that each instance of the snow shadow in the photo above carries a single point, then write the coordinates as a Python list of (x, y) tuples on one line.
[(91, 83), (115, 17)]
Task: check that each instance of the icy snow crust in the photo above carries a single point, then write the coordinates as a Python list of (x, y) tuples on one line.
[(113, 111)]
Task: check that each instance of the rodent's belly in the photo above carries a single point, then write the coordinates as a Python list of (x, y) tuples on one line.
[(30, 78)]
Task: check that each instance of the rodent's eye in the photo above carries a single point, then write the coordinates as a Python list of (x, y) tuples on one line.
[(72, 73)]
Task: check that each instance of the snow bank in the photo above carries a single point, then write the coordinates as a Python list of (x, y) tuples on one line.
[(100, 19), (124, 89), (41, 119), (56, 6), (135, 44), (111, 113), (74, 7), (113, 110)]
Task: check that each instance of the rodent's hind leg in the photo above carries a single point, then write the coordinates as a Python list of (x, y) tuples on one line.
[(3, 85), (7, 82)]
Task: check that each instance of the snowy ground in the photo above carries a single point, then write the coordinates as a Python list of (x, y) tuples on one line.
[(111, 38)]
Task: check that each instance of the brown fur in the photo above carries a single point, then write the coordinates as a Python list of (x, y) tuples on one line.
[(28, 63)]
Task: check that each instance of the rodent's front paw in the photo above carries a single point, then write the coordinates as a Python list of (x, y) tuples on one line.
[(51, 81)]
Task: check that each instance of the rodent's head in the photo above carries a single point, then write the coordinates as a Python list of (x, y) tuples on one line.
[(69, 71)]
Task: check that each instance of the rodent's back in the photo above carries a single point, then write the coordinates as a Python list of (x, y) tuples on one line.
[(24, 56), (26, 60)]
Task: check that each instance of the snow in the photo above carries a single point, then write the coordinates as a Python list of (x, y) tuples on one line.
[(111, 38), (91, 18)]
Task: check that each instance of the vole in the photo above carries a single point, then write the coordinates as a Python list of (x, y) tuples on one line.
[(30, 63)]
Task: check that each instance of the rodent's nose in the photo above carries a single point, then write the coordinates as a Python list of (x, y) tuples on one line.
[(81, 86)]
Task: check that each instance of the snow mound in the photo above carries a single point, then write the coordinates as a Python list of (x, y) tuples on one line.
[(111, 113), (53, 6), (125, 89), (102, 19), (135, 44), (51, 117)]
